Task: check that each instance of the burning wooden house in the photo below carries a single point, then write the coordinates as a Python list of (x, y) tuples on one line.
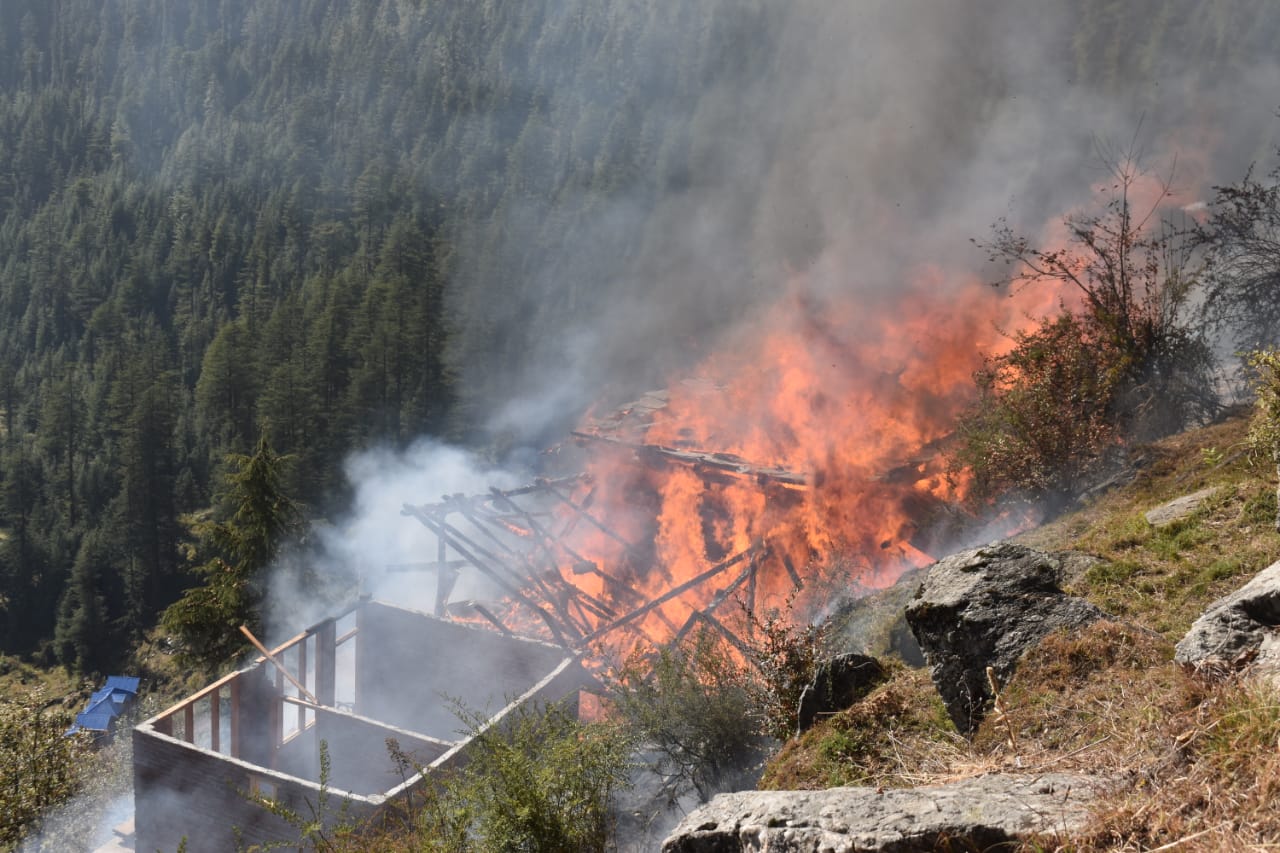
[(645, 537)]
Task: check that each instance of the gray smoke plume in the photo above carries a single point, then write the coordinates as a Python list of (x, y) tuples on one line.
[(865, 139)]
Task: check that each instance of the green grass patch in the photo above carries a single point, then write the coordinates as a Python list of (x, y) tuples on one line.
[(1260, 508)]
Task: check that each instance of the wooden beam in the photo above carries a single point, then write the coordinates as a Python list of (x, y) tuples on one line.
[(279, 666), (446, 532), (674, 592), (591, 519), (235, 718), (704, 462), (429, 566), (215, 721)]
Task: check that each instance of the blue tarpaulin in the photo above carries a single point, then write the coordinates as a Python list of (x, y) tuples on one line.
[(106, 704)]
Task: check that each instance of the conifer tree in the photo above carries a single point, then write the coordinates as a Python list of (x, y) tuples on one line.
[(239, 551)]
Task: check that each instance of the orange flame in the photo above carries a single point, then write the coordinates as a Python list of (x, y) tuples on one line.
[(854, 398)]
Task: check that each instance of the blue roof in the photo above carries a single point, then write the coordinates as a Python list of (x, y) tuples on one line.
[(107, 703), (127, 683)]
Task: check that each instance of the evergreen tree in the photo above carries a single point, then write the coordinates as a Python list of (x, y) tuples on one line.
[(239, 550)]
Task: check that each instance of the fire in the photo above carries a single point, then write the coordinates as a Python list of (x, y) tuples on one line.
[(811, 439), (806, 451)]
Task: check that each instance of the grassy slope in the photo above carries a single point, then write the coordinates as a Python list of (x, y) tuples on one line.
[(1199, 759)]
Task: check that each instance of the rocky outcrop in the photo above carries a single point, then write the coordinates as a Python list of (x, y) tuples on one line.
[(873, 624), (838, 683), (972, 814), (1238, 629), (1178, 508), (984, 608)]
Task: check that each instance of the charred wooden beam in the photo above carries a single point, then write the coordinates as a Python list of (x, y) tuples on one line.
[(706, 462), (489, 563), (584, 513), (547, 540), (674, 592), (428, 566), (458, 608), (447, 533), (531, 571), (791, 570), (709, 620), (729, 635), (542, 484)]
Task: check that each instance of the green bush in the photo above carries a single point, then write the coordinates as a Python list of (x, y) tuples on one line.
[(39, 766), (539, 781), (693, 712), (786, 658)]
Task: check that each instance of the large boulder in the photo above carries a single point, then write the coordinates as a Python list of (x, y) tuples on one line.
[(838, 683), (984, 608), (1237, 629), (971, 814)]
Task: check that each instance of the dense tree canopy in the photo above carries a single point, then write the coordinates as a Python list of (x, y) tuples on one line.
[(223, 219)]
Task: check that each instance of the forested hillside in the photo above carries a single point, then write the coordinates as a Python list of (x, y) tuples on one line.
[(340, 223), (221, 218)]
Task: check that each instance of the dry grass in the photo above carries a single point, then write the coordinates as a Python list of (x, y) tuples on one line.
[(1197, 763), (1218, 790), (1163, 577), (897, 736)]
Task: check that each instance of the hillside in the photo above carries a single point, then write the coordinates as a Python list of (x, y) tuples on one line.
[(1196, 755), (396, 248)]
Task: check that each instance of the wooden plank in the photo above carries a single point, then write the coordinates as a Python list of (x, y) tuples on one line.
[(280, 668), (215, 721), (235, 718), (302, 678), (674, 592), (326, 662)]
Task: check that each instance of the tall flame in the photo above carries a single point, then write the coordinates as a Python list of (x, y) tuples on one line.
[(813, 435)]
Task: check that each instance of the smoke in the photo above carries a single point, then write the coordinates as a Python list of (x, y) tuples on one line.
[(860, 147), (374, 547), (866, 140)]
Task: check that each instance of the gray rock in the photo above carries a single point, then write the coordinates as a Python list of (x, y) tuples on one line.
[(873, 624), (1237, 628), (1075, 565), (972, 814), (986, 607), (1179, 508), (838, 683)]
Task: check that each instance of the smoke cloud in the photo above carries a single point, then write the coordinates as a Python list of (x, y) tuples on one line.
[(858, 146), (866, 140)]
